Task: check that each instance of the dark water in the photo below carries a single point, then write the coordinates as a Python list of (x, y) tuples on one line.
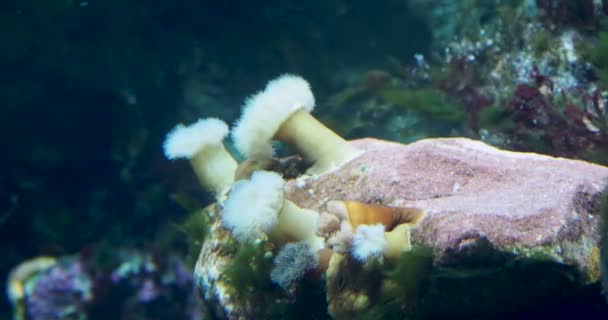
[(88, 90)]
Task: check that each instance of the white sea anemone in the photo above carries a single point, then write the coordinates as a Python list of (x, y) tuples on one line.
[(282, 112), (252, 206), (202, 144), (368, 242), (258, 206), (373, 241), (292, 262)]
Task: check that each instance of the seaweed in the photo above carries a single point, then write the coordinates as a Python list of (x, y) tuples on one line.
[(572, 124), (428, 101), (599, 57), (249, 269), (195, 226)]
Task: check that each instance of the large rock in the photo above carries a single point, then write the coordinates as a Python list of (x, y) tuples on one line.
[(499, 222), (509, 231), (477, 197)]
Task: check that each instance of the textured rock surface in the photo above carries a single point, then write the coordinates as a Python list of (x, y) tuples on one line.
[(209, 267), (478, 198)]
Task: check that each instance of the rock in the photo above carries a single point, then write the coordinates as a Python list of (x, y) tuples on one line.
[(511, 214), (234, 278), (209, 267), (477, 197), (496, 223)]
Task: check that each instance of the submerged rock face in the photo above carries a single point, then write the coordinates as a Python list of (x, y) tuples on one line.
[(480, 200)]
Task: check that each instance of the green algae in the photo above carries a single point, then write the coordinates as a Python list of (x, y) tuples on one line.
[(599, 57), (196, 227), (249, 269), (247, 276), (426, 101)]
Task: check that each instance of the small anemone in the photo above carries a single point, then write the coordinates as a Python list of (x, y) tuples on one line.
[(291, 263)]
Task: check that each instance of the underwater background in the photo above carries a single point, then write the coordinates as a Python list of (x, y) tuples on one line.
[(89, 90)]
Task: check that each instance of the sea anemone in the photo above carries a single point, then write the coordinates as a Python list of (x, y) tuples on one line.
[(397, 241), (291, 263), (358, 213), (258, 206), (368, 242), (373, 241), (202, 144), (252, 206), (282, 112), (360, 228)]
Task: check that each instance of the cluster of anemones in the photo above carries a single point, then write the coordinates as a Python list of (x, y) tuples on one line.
[(256, 204)]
